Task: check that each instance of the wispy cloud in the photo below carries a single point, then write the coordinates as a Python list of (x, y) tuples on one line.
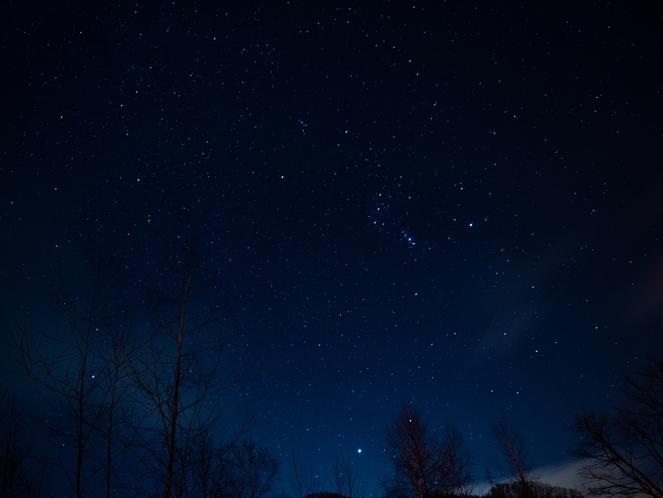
[(563, 474)]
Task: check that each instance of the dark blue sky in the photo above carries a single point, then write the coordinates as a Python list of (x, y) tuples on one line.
[(446, 204)]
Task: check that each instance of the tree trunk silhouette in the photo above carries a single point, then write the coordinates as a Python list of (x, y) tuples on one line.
[(513, 463), (346, 479), (180, 377), (66, 366), (424, 465)]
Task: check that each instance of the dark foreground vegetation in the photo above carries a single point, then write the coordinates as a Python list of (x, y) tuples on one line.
[(135, 392)]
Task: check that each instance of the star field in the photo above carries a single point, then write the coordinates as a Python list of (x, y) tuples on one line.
[(446, 204)]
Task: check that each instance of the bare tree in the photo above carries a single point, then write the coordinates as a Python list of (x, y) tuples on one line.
[(180, 377), (424, 465), (417, 457), (513, 462), (211, 476), (622, 453), (243, 470), (459, 462), (15, 478), (346, 478), (255, 470), (302, 480), (65, 364), (119, 415), (539, 490)]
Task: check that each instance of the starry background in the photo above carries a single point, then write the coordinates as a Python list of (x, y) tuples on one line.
[(447, 204)]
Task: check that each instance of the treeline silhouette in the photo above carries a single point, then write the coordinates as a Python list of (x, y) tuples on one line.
[(133, 393)]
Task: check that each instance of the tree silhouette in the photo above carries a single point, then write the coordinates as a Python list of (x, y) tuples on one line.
[(459, 463), (514, 463), (424, 465), (15, 477), (180, 377), (622, 453), (303, 482), (243, 470), (254, 470), (119, 416), (66, 364), (537, 490), (346, 479)]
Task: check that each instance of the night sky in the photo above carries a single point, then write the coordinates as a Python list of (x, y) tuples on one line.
[(449, 204)]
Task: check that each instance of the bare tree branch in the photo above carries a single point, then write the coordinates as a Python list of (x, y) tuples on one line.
[(514, 464), (67, 364), (425, 466), (302, 481), (346, 478), (622, 453), (180, 377)]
